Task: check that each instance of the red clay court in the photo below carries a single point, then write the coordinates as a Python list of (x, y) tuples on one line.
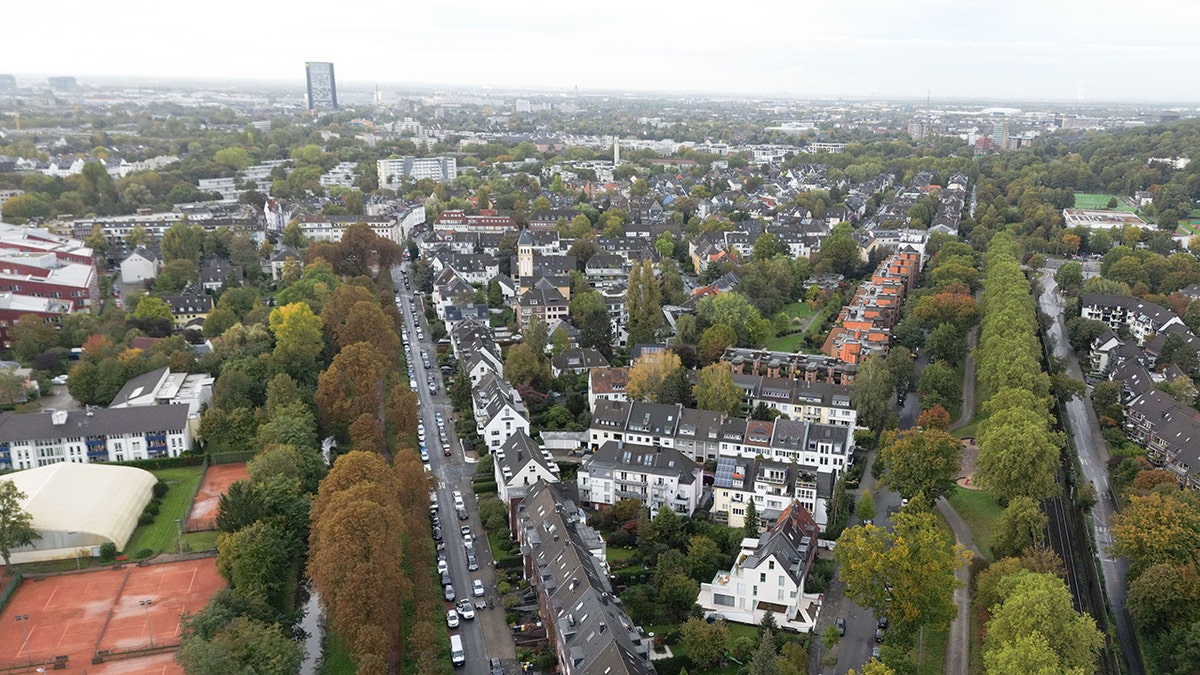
[(217, 480), (79, 614)]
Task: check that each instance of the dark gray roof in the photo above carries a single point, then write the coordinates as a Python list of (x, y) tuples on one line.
[(645, 459), (145, 383), (96, 422)]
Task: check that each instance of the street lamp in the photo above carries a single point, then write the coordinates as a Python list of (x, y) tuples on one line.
[(146, 605), (21, 620)]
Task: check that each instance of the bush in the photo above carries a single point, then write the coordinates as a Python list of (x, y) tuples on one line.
[(152, 508), (108, 551), (145, 518), (143, 553), (504, 588), (160, 489)]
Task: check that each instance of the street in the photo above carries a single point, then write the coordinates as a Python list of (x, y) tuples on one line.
[(488, 635), (1092, 450), (855, 647)]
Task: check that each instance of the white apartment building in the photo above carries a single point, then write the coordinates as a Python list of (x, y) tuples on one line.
[(93, 435), (656, 476), (392, 171)]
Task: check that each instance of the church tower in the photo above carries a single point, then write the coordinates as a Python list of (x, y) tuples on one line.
[(525, 256)]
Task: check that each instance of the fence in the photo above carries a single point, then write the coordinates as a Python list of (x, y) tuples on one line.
[(187, 517)]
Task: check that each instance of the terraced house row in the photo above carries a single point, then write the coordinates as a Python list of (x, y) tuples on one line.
[(864, 326)]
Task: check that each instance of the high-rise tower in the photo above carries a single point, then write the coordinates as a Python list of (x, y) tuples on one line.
[(322, 89)]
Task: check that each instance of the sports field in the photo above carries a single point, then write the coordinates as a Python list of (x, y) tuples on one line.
[(1095, 201), (217, 479), (111, 611)]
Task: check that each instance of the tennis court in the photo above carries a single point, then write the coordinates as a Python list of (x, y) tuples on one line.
[(217, 480), (112, 610)]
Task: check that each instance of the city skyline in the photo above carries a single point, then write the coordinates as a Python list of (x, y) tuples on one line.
[(1095, 51)]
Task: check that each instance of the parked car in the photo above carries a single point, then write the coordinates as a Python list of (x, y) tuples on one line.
[(462, 514), (448, 593), (468, 541), (841, 626), (472, 563), (443, 567), (466, 610), (452, 619), (61, 379), (465, 530), (477, 588)]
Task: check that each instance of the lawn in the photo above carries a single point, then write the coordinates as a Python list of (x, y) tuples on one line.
[(200, 541), (980, 512), (1096, 201), (499, 548), (736, 630), (785, 343), (968, 430), (799, 310), (932, 658), (161, 536)]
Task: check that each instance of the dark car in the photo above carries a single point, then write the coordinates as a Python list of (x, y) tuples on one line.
[(883, 622), (463, 515), (841, 626), (879, 635), (496, 667), (437, 534)]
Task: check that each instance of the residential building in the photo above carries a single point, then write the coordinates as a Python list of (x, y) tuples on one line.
[(162, 387), (13, 307), (476, 350), (863, 328), (819, 402), (607, 384), (190, 307), (576, 361), (771, 485), (322, 87), (656, 476), (796, 366), (392, 171), (769, 575), (499, 411), (140, 265), (543, 301), (486, 221), (1142, 319), (93, 435), (520, 463), (586, 626)]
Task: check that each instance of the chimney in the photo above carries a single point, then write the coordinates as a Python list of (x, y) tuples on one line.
[(58, 417)]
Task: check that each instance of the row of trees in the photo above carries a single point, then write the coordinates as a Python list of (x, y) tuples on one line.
[(1019, 451)]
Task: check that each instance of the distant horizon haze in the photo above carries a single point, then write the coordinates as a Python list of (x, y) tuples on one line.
[(1063, 50)]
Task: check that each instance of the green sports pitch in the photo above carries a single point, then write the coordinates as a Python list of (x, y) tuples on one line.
[(1095, 201)]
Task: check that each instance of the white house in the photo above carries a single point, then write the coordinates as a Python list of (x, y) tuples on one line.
[(771, 486), (519, 463), (139, 266), (657, 477), (499, 411), (768, 576)]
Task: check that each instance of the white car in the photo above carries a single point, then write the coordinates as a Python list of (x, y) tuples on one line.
[(466, 610), (477, 588), (61, 379), (424, 455), (443, 567), (468, 541), (452, 619)]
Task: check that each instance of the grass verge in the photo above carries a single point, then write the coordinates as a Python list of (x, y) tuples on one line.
[(980, 511), (162, 536), (335, 658)]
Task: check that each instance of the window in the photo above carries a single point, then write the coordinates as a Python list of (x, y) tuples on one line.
[(770, 564), (762, 577)]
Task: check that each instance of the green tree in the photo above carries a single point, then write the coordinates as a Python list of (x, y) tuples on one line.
[(735, 310), (750, 528), (866, 507), (16, 524), (871, 392), (1039, 606), (765, 661), (150, 308), (703, 642), (1018, 454), (522, 366), (255, 561), (923, 461), (1160, 527), (715, 390), (31, 335), (182, 241), (714, 341), (906, 574), (1069, 276), (590, 314), (704, 558), (233, 158), (1018, 527), (299, 340), (939, 385), (768, 246), (1165, 595), (947, 343), (244, 645), (643, 301), (839, 252)]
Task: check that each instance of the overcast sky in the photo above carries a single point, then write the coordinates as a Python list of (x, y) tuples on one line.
[(1018, 49)]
